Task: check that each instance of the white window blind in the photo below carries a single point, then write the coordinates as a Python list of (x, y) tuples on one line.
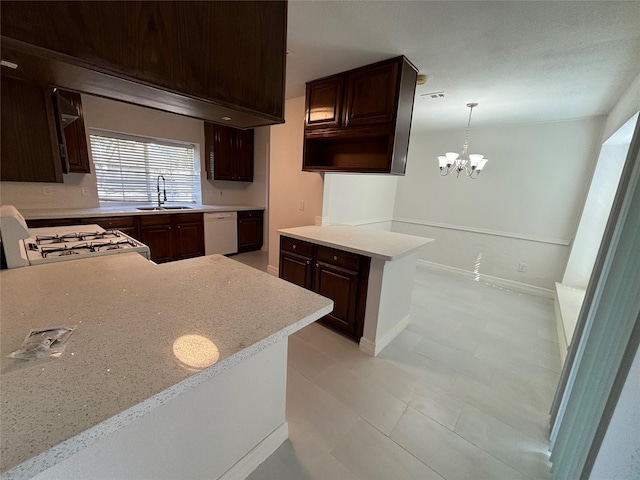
[(127, 168)]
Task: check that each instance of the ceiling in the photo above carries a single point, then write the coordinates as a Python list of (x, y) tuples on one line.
[(522, 61)]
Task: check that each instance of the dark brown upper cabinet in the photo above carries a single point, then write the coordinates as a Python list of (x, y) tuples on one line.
[(359, 121), (75, 137), (228, 153), (206, 60), (30, 149)]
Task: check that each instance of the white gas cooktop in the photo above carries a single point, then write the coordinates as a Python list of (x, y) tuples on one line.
[(57, 244)]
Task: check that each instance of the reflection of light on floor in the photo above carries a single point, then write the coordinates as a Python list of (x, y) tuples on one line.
[(195, 351), (476, 268)]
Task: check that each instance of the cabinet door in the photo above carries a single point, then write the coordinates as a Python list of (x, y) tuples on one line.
[(371, 95), (157, 233), (30, 151), (296, 269), (159, 239), (244, 152), (324, 103), (341, 286), (250, 230), (224, 146), (189, 240), (76, 137)]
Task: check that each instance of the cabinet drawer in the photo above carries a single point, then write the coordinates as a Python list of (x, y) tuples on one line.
[(146, 220), (52, 222), (296, 246), (242, 215), (339, 258), (181, 218), (110, 223)]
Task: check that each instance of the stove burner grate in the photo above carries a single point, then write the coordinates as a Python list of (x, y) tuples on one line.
[(49, 239), (66, 250), (111, 245), (98, 235)]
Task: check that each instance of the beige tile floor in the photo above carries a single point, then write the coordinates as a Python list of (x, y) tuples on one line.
[(463, 393), (256, 259)]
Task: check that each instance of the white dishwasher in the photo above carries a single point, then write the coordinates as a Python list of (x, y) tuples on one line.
[(220, 233)]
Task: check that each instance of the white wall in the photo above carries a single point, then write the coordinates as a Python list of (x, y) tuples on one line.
[(288, 184), (524, 208), (366, 200), (122, 117)]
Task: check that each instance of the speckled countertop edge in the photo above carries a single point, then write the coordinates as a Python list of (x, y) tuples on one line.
[(70, 445), (125, 210), (350, 246), (64, 450)]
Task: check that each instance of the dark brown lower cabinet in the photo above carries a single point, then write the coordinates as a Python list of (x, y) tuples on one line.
[(156, 232), (173, 237), (189, 235), (335, 274), (250, 230)]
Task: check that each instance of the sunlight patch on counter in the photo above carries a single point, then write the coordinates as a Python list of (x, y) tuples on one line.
[(195, 351)]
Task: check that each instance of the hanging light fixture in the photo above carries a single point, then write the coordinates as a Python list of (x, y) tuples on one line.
[(472, 164)]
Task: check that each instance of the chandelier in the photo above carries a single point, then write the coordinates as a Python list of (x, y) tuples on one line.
[(472, 164)]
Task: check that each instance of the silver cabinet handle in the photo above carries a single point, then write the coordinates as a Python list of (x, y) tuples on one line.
[(317, 265), (335, 258), (294, 247), (308, 262)]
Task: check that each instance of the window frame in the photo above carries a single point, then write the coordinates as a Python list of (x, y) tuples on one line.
[(150, 177)]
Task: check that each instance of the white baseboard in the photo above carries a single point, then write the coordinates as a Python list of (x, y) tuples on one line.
[(247, 464), (275, 271), (501, 282), (374, 348)]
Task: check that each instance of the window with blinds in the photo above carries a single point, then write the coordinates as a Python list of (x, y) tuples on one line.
[(127, 168)]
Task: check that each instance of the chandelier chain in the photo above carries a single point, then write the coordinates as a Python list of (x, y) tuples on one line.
[(466, 136)]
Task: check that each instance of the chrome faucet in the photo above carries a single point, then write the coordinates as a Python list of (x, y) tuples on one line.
[(164, 189)]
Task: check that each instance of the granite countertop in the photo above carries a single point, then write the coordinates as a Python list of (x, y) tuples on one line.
[(126, 210), (360, 240), (121, 362)]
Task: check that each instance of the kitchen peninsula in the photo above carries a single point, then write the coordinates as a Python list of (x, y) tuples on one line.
[(174, 371), (368, 273)]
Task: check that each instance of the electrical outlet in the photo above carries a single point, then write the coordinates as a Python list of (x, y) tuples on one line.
[(85, 191), (46, 190), (301, 205), (522, 267)]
